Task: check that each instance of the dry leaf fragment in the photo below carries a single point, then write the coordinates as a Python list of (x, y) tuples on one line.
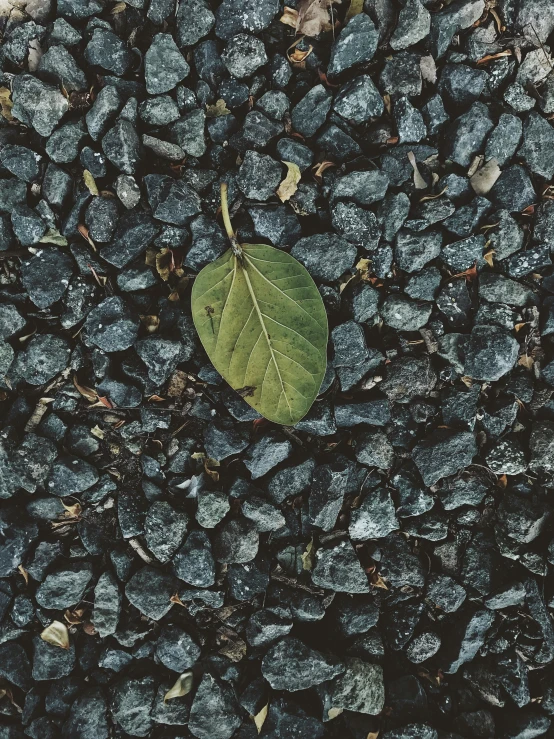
[(218, 109), (289, 185), (150, 323), (23, 573), (491, 57), (150, 257), (183, 686), (6, 104), (298, 56), (488, 257), (53, 236), (260, 717), (334, 712), (526, 361), (177, 384), (56, 634), (72, 511), (165, 263), (90, 182), (483, 180), (98, 432), (433, 197), (419, 182), (308, 558), (87, 392), (118, 8), (356, 7), (289, 17), (313, 17)]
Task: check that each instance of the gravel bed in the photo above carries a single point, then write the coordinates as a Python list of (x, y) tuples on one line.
[(173, 565)]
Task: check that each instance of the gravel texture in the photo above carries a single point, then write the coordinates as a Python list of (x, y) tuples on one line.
[(383, 568)]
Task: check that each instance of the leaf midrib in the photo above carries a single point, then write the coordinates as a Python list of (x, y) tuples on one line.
[(262, 322)]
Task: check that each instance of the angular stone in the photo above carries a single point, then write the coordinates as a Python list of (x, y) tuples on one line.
[(291, 665), (338, 568), (444, 453), (164, 65)]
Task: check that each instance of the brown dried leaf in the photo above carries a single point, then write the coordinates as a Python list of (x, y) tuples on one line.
[(183, 686), (165, 263), (75, 617), (150, 323), (177, 384), (209, 465), (218, 109), (87, 392), (289, 17), (72, 511), (502, 481), (56, 634), (260, 717), (319, 169), (6, 104), (433, 197), (289, 185), (298, 56), (468, 381), (231, 645), (313, 17)]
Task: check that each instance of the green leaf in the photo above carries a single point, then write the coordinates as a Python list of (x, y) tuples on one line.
[(263, 324), (53, 236)]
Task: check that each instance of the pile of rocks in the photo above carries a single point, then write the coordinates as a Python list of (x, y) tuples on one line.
[(382, 569)]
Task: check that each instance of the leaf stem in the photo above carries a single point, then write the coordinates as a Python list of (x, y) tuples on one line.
[(237, 251)]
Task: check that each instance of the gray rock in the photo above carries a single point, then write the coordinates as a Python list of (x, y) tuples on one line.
[(409, 121), (360, 689), (11, 322), (358, 100), (491, 353), (236, 541), (291, 665), (51, 662), (214, 713), (14, 665), (404, 314), (108, 51), (38, 105), (355, 45), (20, 161), (150, 590), (194, 20), (413, 250), (58, 67), (176, 649), (414, 23), (466, 136), (357, 225), (466, 636), (213, 506), (311, 112), (542, 446), (338, 568), (107, 605), (364, 188), (236, 16), (111, 326), (375, 518), (164, 65), (537, 148), (121, 145), (46, 276), (87, 718), (504, 139), (444, 453), (325, 256), (107, 104), (165, 528), (64, 588), (373, 449), (513, 190), (458, 16), (194, 563), (407, 377), (243, 55), (27, 225), (259, 176), (266, 454), (45, 356), (131, 704)]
